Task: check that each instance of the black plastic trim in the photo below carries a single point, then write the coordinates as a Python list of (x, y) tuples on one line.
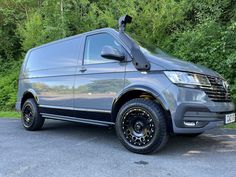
[(89, 115), (194, 112), (76, 119)]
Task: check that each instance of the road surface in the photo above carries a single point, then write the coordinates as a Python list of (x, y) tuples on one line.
[(64, 149)]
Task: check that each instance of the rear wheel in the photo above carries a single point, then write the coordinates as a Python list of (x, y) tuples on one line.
[(141, 126), (30, 117)]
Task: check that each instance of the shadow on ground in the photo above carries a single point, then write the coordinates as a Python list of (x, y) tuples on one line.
[(216, 140)]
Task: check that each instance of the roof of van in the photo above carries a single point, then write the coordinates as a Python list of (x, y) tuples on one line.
[(72, 37)]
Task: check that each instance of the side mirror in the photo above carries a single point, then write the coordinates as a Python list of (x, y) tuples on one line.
[(111, 53)]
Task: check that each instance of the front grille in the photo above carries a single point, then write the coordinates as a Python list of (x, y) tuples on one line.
[(217, 92)]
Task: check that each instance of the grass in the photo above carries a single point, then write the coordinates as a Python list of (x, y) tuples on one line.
[(13, 114), (9, 114), (231, 125)]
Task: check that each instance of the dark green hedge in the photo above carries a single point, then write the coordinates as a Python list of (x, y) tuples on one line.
[(199, 31)]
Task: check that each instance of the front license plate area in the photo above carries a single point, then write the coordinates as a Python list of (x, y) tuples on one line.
[(229, 118)]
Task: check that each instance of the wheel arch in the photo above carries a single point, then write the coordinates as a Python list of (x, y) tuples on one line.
[(137, 92), (29, 94), (141, 92)]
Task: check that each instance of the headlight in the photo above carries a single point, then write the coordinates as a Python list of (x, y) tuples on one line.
[(187, 79)]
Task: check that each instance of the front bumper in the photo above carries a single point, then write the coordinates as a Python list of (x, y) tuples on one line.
[(187, 105), (203, 116)]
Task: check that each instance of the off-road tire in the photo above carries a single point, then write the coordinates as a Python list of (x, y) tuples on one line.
[(30, 116), (153, 112)]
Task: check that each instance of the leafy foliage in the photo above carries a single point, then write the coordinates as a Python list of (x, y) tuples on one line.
[(8, 84), (199, 31)]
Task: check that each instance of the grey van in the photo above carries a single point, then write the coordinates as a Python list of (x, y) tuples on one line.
[(104, 77)]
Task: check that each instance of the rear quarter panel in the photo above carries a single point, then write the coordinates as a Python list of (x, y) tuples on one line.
[(52, 85)]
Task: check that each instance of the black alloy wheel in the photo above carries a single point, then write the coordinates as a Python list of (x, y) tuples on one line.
[(141, 126), (138, 126), (30, 116)]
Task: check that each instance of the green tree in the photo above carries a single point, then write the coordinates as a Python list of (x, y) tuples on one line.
[(199, 31)]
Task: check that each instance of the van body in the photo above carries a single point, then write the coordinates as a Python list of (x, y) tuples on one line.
[(92, 78)]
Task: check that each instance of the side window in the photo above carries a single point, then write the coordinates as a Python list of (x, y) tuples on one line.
[(94, 45)]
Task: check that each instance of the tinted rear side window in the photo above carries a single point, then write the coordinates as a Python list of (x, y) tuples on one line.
[(61, 54)]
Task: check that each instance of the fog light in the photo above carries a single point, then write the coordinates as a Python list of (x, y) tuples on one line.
[(191, 123)]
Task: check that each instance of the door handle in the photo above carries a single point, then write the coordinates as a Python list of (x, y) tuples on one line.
[(83, 69)]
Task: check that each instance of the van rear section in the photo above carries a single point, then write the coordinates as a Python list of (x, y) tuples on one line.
[(48, 72)]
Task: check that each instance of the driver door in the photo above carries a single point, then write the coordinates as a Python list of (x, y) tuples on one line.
[(99, 79)]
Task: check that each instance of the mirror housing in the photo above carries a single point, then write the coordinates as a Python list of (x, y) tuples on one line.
[(109, 52)]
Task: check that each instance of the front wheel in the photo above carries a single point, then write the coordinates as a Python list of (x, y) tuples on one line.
[(141, 126), (30, 117)]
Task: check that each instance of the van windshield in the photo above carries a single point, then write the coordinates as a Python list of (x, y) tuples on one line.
[(150, 49), (157, 51)]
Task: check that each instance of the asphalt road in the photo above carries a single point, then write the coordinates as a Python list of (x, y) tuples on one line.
[(64, 149)]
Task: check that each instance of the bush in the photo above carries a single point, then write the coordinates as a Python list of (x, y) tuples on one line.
[(8, 85), (199, 31)]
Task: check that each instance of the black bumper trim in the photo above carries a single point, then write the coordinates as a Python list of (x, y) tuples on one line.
[(194, 112)]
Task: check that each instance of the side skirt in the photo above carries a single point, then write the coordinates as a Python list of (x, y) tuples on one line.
[(76, 119)]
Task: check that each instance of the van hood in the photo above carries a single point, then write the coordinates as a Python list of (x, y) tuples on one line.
[(170, 63)]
